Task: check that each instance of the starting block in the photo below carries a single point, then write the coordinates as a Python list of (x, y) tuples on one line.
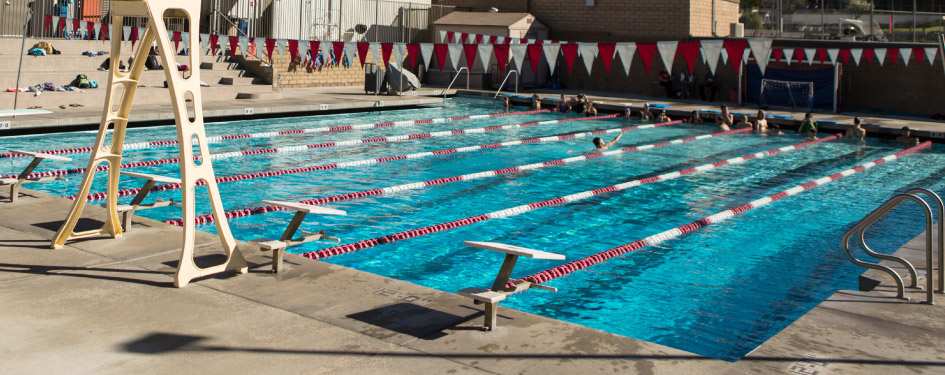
[(23, 177), (278, 247), (498, 293), (127, 210)]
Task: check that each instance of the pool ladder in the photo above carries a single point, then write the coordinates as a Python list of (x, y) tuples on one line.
[(517, 78), (877, 214), (445, 92)]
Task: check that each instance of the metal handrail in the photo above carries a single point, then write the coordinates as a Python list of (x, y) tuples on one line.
[(871, 219), (227, 19), (941, 240), (517, 77), (454, 81)]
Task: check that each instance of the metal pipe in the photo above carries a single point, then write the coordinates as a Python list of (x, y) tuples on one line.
[(713, 19), (941, 237), (914, 19), (780, 18), (506, 80), (19, 69), (872, 32), (445, 92), (377, 11), (823, 21)]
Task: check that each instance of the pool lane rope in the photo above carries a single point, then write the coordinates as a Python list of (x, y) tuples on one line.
[(204, 219), (366, 244), (326, 129), (396, 138), (367, 162), (580, 264)]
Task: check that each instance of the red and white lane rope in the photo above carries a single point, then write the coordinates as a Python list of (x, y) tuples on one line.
[(580, 264), (326, 129), (364, 244), (367, 162), (398, 138), (442, 181)]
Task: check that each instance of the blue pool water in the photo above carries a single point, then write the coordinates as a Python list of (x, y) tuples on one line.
[(718, 292)]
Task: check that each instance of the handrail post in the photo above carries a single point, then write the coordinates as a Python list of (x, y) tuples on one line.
[(445, 92), (509, 74), (941, 238)]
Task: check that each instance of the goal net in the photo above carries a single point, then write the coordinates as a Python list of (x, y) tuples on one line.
[(791, 94)]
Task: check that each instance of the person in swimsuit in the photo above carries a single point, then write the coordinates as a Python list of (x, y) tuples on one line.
[(906, 138), (695, 118), (590, 111), (536, 102), (506, 103), (725, 118), (775, 129), (857, 131), (663, 117), (743, 123), (600, 145), (808, 126), (646, 114), (626, 113), (563, 105), (761, 123)]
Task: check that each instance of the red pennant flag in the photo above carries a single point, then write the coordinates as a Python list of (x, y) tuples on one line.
[(90, 26), (449, 36), (523, 41), (534, 56), (570, 53), (362, 51), (736, 51), (234, 42), (868, 54), (105, 32), (339, 48), (893, 54), (647, 51), (798, 54), (464, 38), (478, 39), (493, 39), (134, 36), (75, 26), (177, 36), (440, 50), (413, 50), (47, 22), (313, 48), (918, 52), (270, 46), (294, 49), (62, 25), (470, 50), (554, 42), (822, 55), (386, 49), (845, 55), (252, 46), (538, 41), (214, 43), (690, 52), (501, 55), (778, 54), (606, 51)]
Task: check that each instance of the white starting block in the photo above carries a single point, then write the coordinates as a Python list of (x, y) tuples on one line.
[(499, 292), (127, 210), (278, 247), (23, 177)]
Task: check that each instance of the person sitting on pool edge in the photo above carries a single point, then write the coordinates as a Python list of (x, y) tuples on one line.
[(695, 118), (906, 138), (761, 123), (857, 131), (536, 102), (564, 105), (600, 145), (808, 126), (590, 111), (743, 123), (663, 117)]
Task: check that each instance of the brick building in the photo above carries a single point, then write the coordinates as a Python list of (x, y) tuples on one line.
[(619, 20)]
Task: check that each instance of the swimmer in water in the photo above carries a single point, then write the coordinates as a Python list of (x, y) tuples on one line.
[(857, 131), (906, 138), (600, 145)]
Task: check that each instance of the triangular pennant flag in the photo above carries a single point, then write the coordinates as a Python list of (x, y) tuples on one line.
[(58, 23), (821, 55), (47, 21), (856, 53), (204, 42), (244, 45), (647, 52), (413, 50), (478, 39), (570, 53), (501, 52), (455, 51), (588, 53), (712, 49), (667, 53), (690, 52), (441, 50), (485, 56), (339, 50), (464, 38), (442, 36), (833, 53), (469, 51), (626, 52), (906, 54), (917, 53), (376, 53), (607, 51), (761, 49), (363, 51), (893, 54), (880, 55), (134, 36), (799, 55), (76, 27), (810, 53), (449, 36), (493, 39), (778, 55), (177, 36), (294, 50), (214, 44), (550, 51), (930, 54), (399, 50), (270, 46), (234, 42), (351, 50), (304, 47), (426, 49), (98, 31), (386, 50), (534, 54), (845, 55), (724, 57), (280, 47), (90, 28), (185, 40)]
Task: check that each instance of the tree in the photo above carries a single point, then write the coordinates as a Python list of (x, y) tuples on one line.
[(858, 7), (751, 19)]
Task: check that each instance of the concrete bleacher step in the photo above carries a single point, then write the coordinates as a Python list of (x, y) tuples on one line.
[(241, 81), (94, 98), (148, 78)]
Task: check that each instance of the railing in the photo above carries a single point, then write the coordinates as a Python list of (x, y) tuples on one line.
[(881, 212), (445, 92), (228, 20), (517, 77)]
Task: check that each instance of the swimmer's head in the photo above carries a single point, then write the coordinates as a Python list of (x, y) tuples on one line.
[(626, 111), (598, 142), (856, 121), (761, 114), (807, 115), (906, 131)]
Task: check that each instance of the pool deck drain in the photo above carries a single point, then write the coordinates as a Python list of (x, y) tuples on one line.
[(108, 306)]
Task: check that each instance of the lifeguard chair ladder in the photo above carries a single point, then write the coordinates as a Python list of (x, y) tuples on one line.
[(190, 134)]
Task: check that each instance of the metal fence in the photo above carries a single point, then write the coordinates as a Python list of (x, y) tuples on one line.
[(347, 20), (847, 20)]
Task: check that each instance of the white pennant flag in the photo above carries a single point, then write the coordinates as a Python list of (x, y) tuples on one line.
[(141, 34), (906, 54), (809, 53), (325, 46), (712, 49), (280, 46), (170, 36), (930, 54), (551, 55), (304, 46), (259, 44), (880, 55), (724, 56), (626, 52), (518, 55), (455, 50), (204, 43), (83, 26), (667, 53), (127, 32), (833, 53), (185, 40), (470, 38), (351, 50), (376, 51), (55, 23), (857, 53), (244, 45), (500, 40), (761, 49), (485, 56), (399, 50), (426, 51), (98, 31), (588, 52), (442, 36)]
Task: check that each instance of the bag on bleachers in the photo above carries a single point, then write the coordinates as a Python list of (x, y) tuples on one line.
[(82, 81), (45, 46)]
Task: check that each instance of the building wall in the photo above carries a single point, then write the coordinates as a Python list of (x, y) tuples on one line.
[(700, 22)]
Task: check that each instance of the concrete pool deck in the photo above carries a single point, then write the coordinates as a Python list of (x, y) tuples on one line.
[(108, 306)]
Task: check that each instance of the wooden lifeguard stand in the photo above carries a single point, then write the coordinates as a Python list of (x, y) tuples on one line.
[(190, 134)]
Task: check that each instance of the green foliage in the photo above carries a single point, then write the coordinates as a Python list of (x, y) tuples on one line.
[(752, 20)]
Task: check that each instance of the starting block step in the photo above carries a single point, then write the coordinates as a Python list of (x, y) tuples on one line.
[(152, 177), (306, 208), (482, 295), (40, 155), (514, 250)]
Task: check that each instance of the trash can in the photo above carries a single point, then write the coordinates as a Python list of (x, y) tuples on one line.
[(373, 79)]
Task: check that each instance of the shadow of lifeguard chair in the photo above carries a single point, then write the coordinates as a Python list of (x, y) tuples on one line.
[(190, 134)]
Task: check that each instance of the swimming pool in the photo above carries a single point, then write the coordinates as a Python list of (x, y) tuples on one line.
[(719, 292)]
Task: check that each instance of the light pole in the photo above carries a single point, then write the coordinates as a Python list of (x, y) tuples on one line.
[(19, 69)]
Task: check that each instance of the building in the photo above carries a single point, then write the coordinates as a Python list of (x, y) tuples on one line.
[(514, 25), (619, 20)]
